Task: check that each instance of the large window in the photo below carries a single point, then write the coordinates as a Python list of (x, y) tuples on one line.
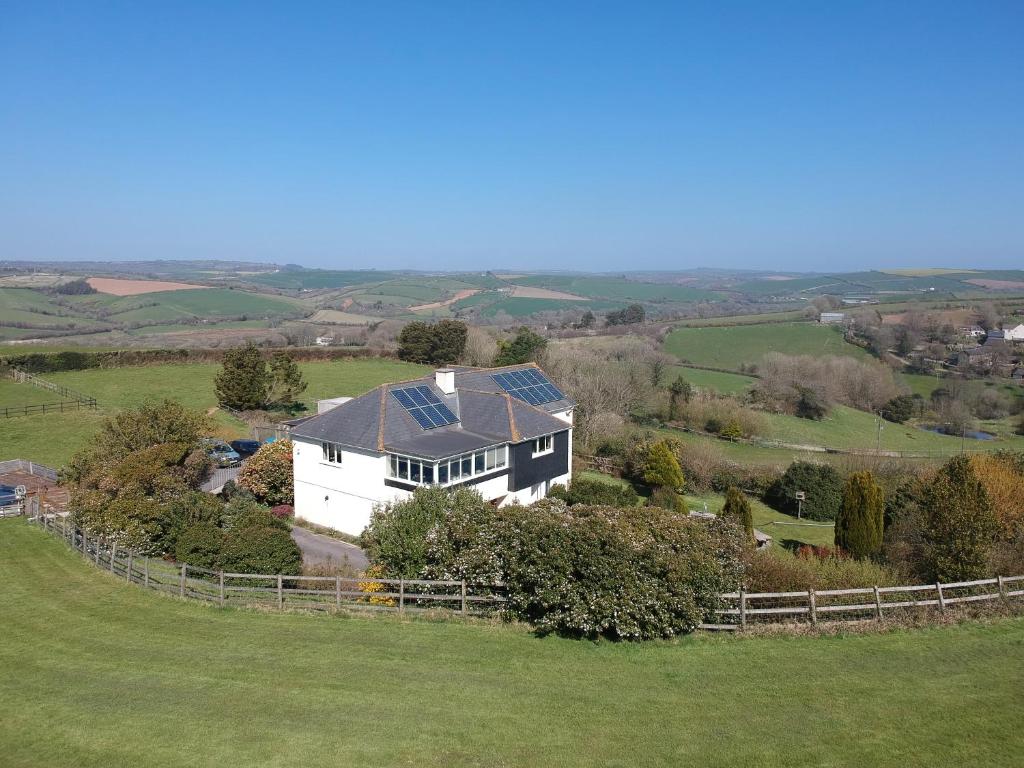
[(457, 469), (332, 453), (543, 445)]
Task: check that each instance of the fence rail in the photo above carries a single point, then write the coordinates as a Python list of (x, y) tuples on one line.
[(20, 465), (814, 606), (314, 593), (24, 377), (64, 406)]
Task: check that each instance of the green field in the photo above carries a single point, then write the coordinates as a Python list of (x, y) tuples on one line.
[(204, 302), (732, 347), (518, 306), (102, 673), (715, 381), (314, 279), (52, 439), (12, 393)]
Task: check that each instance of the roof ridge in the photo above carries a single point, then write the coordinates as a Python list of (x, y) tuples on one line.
[(383, 409), (476, 368)]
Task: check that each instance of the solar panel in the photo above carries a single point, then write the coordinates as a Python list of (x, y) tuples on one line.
[(424, 406), (529, 385)]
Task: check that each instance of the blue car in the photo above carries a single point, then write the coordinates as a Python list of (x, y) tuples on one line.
[(8, 496), (222, 454)]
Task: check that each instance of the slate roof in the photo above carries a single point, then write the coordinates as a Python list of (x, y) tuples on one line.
[(487, 416)]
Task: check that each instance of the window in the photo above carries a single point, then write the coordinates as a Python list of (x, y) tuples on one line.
[(542, 445), (447, 471), (332, 453)]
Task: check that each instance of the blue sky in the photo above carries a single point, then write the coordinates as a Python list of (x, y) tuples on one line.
[(444, 135)]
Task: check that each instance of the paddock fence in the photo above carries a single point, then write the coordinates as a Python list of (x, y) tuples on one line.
[(274, 591), (72, 400), (815, 606)]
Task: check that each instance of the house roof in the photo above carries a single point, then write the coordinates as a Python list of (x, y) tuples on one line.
[(486, 415)]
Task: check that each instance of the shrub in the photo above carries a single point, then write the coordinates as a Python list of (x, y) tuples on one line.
[(899, 409), (440, 343), (737, 509), (593, 571), (662, 470), (270, 474), (820, 482), (200, 544), (283, 511), (775, 571), (242, 512), (666, 498), (586, 491), (396, 538), (261, 550), (861, 516), (526, 346), (960, 523), (1003, 479)]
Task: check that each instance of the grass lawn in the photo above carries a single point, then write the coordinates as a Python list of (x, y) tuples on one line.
[(723, 383), (790, 532), (52, 439), (99, 673), (12, 394), (732, 347)]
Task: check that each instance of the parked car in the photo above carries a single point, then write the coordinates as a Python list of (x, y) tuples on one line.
[(222, 454), (246, 448), (10, 496)]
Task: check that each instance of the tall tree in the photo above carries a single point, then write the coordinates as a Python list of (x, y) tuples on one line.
[(680, 389), (416, 342), (286, 382), (663, 469), (960, 523), (449, 341), (737, 508), (861, 516), (243, 382)]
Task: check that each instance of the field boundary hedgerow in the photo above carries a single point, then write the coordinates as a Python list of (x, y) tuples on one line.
[(332, 593)]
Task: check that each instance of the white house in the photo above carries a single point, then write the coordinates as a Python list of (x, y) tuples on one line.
[(507, 432), (1014, 334)]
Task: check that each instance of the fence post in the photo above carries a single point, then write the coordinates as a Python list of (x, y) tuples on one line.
[(280, 593), (463, 596), (401, 595), (811, 602), (184, 575), (1002, 588), (113, 554), (222, 589), (337, 590), (145, 574), (128, 576), (942, 600), (743, 609), (97, 545), (878, 604)]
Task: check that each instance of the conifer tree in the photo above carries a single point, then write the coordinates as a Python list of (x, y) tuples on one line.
[(737, 508), (243, 381), (861, 517), (663, 468), (960, 524)]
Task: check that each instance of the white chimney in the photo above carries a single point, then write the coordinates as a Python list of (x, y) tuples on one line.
[(445, 380)]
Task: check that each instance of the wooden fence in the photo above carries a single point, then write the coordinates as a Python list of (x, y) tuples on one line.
[(24, 377), (815, 606), (21, 465), (60, 407), (278, 591)]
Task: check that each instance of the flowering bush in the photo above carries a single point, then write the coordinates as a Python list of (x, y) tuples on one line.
[(283, 511), (269, 475)]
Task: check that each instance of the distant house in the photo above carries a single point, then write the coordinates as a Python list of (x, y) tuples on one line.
[(976, 357), (324, 341), (832, 318), (505, 432), (1014, 334), (971, 331)]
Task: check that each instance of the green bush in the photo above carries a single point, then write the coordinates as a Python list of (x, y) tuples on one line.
[(861, 517), (737, 508), (261, 550), (200, 544), (584, 571), (820, 482), (269, 474), (586, 491), (244, 512), (775, 571), (899, 409), (960, 523)]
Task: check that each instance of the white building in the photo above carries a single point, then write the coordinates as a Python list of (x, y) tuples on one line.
[(1014, 334), (507, 432)]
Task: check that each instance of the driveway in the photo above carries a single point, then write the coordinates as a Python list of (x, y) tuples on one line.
[(319, 549)]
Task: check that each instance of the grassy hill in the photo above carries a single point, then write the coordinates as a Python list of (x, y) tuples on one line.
[(101, 673), (731, 347)]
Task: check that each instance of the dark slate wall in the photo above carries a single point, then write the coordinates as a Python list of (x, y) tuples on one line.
[(527, 471)]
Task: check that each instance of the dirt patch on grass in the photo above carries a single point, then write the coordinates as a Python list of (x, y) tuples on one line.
[(530, 292), (118, 287), (465, 293), (997, 285)]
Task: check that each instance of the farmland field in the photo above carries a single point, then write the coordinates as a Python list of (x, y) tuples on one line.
[(101, 673), (618, 289), (715, 381), (12, 393), (735, 346), (53, 438)]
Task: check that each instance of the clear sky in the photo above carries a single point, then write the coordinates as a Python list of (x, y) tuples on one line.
[(447, 135)]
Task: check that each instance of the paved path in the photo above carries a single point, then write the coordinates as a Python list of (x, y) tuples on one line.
[(317, 548)]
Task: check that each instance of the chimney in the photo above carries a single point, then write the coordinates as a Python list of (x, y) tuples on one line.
[(445, 380)]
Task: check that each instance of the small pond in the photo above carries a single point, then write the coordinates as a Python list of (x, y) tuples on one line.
[(971, 434)]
